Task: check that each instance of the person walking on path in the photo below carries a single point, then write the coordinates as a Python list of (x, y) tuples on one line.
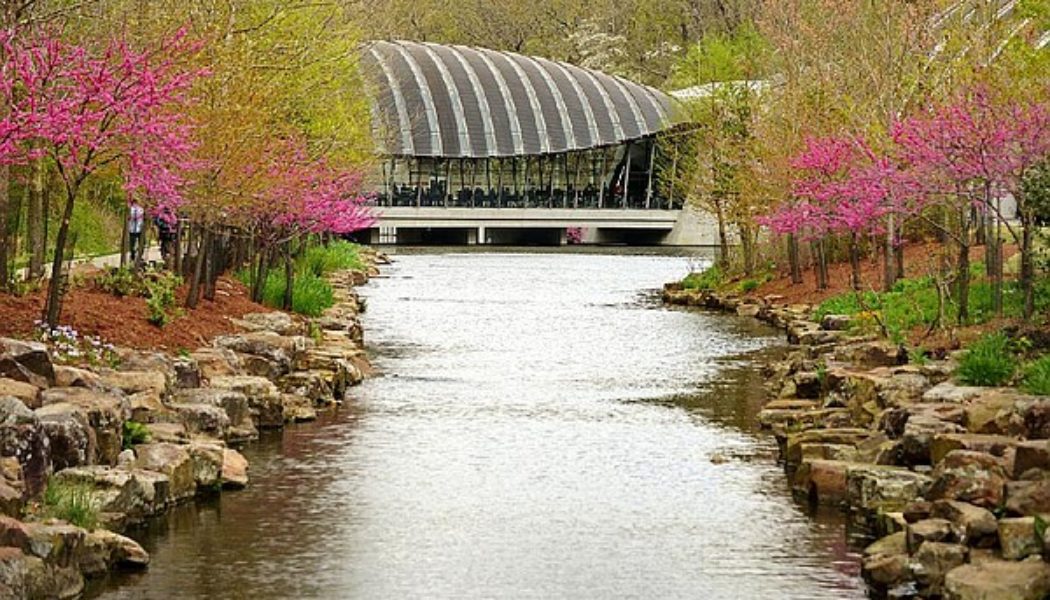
[(136, 221)]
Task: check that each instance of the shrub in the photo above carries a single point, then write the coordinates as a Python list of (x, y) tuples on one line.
[(321, 260), (121, 282), (311, 294), (749, 285), (1037, 377), (160, 298), (987, 362), (74, 503), (918, 356), (134, 433), (705, 280)]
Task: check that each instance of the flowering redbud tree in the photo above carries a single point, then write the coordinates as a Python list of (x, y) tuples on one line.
[(115, 108)]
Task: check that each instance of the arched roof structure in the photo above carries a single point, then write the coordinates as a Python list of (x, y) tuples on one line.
[(444, 101)]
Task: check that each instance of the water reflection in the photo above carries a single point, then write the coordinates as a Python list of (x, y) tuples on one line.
[(543, 429)]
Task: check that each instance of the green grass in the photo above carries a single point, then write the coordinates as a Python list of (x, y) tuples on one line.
[(134, 433), (74, 503), (913, 302), (987, 362), (336, 256), (706, 280), (1037, 377), (311, 293)]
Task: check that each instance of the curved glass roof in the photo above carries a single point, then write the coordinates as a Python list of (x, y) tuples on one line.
[(453, 101)]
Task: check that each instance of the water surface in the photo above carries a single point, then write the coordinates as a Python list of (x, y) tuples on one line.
[(544, 429)]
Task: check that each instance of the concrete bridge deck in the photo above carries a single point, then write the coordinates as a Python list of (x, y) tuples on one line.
[(409, 224)]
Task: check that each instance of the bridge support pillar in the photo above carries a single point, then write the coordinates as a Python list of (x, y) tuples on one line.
[(482, 235)]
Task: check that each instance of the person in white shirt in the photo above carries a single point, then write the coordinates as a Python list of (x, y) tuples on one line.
[(136, 224)]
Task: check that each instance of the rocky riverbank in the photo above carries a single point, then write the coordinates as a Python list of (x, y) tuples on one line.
[(953, 480), (125, 443)]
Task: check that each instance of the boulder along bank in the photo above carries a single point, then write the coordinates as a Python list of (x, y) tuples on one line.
[(953, 481), (154, 430)]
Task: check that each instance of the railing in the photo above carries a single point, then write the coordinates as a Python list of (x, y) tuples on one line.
[(588, 198)]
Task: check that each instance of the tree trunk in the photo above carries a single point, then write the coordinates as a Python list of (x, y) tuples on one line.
[(37, 217), (854, 261), (211, 267), (198, 269), (793, 260), (820, 265), (899, 251), (289, 274), (124, 240), (6, 252), (890, 270), (723, 240), (1027, 263), (260, 276), (962, 279), (53, 307)]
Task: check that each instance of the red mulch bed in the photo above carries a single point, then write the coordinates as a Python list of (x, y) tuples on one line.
[(122, 320), (919, 259)]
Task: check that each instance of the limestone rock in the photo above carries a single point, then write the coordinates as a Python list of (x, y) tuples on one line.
[(848, 436), (927, 530), (73, 441), (310, 385), (188, 373), (297, 409), (264, 400), (206, 419), (208, 460), (836, 322), (933, 560), (66, 376), (998, 580), (1026, 498), (869, 355), (12, 487), (130, 495), (821, 481), (234, 403), (172, 433), (234, 469), (919, 433), (983, 413), (171, 460), (103, 550), (27, 393), (277, 322), (133, 382), (23, 438), (968, 476), (872, 489), (1032, 454), (1018, 539), (147, 407), (217, 362), (951, 393), (995, 445), (29, 362), (971, 524), (106, 413), (276, 350), (147, 361), (14, 572)]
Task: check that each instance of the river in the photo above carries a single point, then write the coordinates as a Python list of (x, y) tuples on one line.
[(544, 428)]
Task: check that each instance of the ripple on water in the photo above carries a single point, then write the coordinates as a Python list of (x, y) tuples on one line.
[(544, 429)]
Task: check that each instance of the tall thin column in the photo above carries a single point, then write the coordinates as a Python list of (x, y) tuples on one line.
[(626, 177)]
